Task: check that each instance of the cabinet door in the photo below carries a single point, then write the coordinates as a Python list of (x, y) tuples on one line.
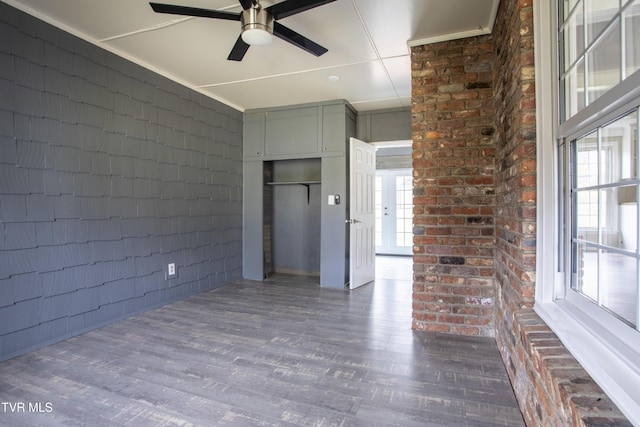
[(333, 129), (292, 132), (253, 135)]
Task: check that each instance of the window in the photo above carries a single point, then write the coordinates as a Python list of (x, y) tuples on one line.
[(601, 191), (598, 49), (404, 211), (588, 260), (604, 213)]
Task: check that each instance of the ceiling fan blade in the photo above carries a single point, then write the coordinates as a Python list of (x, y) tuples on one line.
[(194, 11), (287, 34), (246, 4), (238, 51), (291, 7)]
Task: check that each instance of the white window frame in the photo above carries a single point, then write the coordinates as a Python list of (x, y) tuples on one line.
[(610, 361)]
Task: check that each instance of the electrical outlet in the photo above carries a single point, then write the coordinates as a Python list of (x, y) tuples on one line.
[(171, 270)]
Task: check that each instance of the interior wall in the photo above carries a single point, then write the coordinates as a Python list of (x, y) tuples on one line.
[(108, 172)]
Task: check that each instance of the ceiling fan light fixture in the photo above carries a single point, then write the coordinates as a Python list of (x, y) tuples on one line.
[(257, 26), (256, 37)]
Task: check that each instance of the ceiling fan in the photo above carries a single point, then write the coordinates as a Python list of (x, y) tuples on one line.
[(258, 24)]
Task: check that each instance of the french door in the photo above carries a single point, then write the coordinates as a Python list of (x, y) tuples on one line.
[(394, 212)]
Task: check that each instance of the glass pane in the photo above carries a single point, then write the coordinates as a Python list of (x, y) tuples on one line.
[(599, 13), (619, 147), (619, 282), (587, 161), (574, 93), (573, 37), (586, 270), (604, 61), (408, 224), (626, 199), (404, 211), (568, 6), (609, 217), (587, 215), (378, 224), (632, 38)]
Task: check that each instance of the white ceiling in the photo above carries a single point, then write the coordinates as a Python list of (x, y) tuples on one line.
[(367, 40)]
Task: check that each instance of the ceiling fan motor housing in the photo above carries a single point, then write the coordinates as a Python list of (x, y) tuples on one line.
[(255, 21)]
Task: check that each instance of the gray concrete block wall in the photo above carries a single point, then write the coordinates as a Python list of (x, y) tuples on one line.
[(108, 172)]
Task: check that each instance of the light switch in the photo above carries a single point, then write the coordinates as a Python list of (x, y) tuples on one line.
[(332, 199)]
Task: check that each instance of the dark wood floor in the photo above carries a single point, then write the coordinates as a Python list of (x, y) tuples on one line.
[(283, 352)]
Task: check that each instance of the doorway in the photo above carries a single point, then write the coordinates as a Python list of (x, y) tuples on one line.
[(394, 212)]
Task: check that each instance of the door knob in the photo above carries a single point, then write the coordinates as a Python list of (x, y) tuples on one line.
[(351, 221)]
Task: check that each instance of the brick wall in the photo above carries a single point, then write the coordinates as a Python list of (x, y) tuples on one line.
[(454, 186), (474, 159), (107, 173), (515, 155), (550, 385)]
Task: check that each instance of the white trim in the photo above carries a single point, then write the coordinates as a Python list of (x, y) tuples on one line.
[(619, 382), (447, 37), (547, 170), (606, 364), (390, 144)]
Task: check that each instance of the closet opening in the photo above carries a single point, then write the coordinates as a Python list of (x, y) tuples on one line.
[(292, 206)]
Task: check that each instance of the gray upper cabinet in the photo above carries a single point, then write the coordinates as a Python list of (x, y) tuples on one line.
[(302, 131), (334, 127), (253, 134), (385, 125), (292, 132)]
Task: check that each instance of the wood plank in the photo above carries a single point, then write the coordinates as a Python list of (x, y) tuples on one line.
[(279, 352)]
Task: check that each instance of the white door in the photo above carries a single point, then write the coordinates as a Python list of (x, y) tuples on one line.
[(362, 250), (394, 212)]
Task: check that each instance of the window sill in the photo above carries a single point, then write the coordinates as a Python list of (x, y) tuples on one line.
[(618, 380)]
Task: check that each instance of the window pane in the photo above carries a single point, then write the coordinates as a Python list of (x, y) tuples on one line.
[(605, 261), (378, 211), (632, 38), (587, 215), (587, 161), (598, 14), (404, 211), (619, 283), (627, 204), (619, 153), (586, 270), (574, 93), (604, 61), (573, 37)]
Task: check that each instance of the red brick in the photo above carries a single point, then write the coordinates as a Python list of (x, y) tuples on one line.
[(436, 327), (466, 330)]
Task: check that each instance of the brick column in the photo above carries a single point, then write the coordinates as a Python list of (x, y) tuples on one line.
[(454, 186)]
